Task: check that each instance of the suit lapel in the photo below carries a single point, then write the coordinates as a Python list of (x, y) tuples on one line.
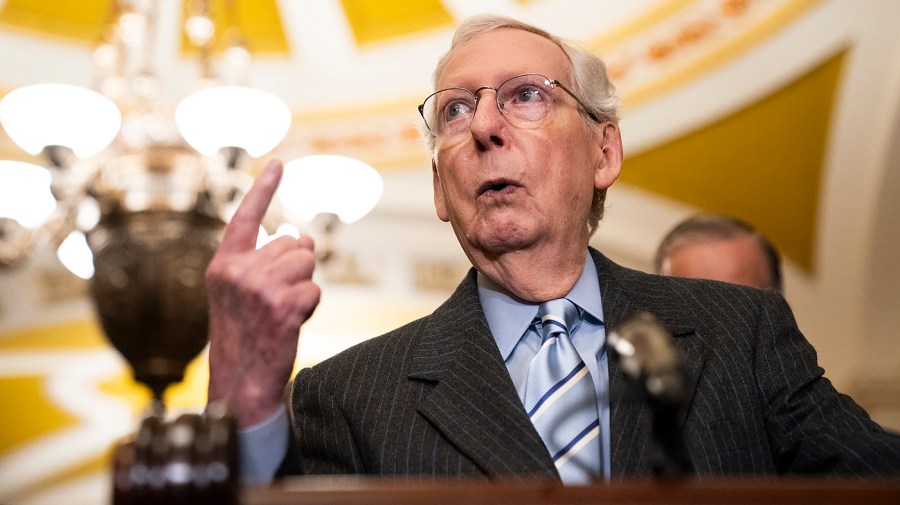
[(474, 404), (625, 293), (473, 401)]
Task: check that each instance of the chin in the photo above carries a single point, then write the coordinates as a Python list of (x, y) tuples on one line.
[(504, 240)]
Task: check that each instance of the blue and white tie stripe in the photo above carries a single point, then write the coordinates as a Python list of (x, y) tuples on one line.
[(560, 397)]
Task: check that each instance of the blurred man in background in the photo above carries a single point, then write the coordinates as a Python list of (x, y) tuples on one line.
[(721, 248)]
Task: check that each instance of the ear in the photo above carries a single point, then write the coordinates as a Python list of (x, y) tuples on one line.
[(440, 205), (609, 166)]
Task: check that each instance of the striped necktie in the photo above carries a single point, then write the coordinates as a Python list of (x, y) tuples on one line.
[(560, 397)]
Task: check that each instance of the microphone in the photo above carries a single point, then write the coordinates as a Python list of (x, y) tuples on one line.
[(653, 368)]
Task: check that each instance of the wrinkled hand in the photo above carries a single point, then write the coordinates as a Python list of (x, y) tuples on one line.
[(257, 301)]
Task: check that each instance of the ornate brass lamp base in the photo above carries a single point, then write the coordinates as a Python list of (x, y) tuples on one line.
[(148, 289)]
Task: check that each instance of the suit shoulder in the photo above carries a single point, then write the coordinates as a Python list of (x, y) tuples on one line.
[(702, 288), (711, 307), (374, 351)]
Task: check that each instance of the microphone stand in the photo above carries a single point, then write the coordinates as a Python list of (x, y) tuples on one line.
[(653, 368)]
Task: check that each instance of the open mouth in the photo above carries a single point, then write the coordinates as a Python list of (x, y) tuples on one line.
[(496, 186)]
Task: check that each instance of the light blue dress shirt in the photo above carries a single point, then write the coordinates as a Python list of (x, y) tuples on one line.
[(263, 445), (512, 324)]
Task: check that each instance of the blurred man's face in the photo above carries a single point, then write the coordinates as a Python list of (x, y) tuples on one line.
[(738, 260), (505, 187)]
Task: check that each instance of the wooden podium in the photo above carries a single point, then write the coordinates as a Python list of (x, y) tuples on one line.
[(361, 491)]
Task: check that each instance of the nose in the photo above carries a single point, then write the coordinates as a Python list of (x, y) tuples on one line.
[(488, 124)]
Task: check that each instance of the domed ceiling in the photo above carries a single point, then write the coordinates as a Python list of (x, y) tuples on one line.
[(353, 71), (783, 112)]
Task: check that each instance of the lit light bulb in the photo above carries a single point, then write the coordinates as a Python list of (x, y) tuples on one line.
[(25, 193), (42, 115), (75, 255), (200, 29), (233, 116), (328, 183)]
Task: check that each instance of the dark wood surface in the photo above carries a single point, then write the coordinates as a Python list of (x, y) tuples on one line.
[(352, 491)]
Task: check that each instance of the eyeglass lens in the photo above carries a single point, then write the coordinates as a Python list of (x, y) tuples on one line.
[(523, 99)]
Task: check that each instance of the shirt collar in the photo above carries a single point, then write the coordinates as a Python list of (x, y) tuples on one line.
[(509, 318)]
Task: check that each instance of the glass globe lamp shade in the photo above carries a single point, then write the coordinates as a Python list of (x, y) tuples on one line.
[(42, 115), (332, 184), (233, 116), (76, 256), (25, 193)]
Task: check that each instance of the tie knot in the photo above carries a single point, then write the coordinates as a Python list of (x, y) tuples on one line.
[(557, 316)]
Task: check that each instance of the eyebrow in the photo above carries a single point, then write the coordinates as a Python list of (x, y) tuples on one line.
[(503, 79)]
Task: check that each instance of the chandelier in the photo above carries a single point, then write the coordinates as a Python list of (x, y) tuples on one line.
[(134, 194)]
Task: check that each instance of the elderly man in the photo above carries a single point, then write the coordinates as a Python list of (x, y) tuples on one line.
[(510, 377), (721, 248)]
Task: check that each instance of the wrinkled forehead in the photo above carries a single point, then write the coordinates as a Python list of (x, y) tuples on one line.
[(492, 57)]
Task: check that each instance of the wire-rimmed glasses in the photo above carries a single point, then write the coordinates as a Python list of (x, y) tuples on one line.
[(522, 99)]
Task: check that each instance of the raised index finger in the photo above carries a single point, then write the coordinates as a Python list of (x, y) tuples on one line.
[(241, 233)]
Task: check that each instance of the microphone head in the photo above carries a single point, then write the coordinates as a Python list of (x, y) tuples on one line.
[(648, 358)]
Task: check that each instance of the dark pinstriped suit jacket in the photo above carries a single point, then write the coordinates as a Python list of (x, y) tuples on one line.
[(433, 398)]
